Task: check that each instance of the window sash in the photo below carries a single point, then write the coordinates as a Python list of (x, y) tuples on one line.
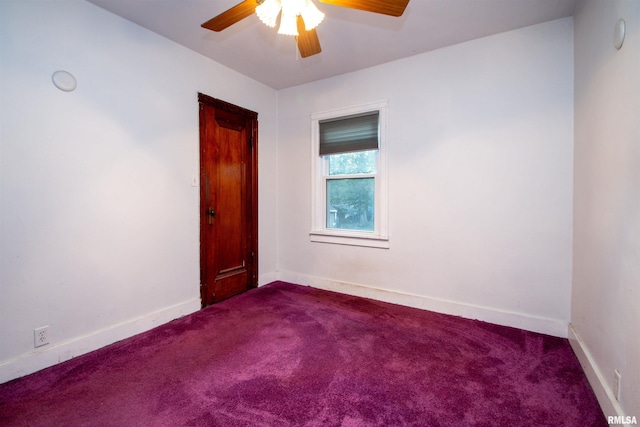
[(369, 213)]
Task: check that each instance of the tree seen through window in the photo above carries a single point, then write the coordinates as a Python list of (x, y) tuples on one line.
[(350, 192)]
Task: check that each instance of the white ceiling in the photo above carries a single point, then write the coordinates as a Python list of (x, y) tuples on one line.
[(350, 39)]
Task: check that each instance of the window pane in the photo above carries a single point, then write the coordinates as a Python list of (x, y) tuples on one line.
[(350, 203), (363, 162)]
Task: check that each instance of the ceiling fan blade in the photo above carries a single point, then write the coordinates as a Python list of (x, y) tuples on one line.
[(231, 16), (308, 43), (386, 7)]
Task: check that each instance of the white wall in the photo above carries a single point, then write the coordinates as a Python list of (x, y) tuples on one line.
[(606, 265), (99, 222), (481, 145)]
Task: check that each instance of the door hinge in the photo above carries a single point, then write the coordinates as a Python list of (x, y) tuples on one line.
[(252, 256)]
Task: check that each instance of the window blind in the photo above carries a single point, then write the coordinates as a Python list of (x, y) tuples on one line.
[(347, 134)]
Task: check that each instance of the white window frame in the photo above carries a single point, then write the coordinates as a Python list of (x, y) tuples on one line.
[(379, 237)]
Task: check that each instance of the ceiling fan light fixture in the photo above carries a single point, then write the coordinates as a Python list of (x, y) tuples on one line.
[(288, 24), (311, 15), (268, 12)]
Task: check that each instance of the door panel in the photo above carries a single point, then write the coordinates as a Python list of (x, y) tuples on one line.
[(228, 199)]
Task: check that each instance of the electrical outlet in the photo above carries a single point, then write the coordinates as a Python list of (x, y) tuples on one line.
[(617, 377), (41, 336)]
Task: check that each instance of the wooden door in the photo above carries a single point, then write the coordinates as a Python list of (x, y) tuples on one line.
[(228, 199)]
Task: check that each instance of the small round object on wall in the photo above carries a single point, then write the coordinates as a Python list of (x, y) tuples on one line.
[(64, 80), (619, 33)]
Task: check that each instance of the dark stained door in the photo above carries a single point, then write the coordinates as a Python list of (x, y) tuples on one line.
[(228, 199)]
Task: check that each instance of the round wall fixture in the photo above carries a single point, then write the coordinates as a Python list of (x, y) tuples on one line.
[(619, 33), (64, 80)]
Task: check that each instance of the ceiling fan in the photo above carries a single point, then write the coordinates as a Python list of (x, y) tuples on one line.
[(299, 17)]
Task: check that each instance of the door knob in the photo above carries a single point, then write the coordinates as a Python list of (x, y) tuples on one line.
[(211, 212)]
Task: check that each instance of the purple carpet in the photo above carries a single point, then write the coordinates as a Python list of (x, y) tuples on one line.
[(288, 355)]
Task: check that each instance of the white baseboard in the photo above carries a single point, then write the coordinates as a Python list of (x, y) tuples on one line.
[(604, 394), (266, 278), (51, 355), (554, 327)]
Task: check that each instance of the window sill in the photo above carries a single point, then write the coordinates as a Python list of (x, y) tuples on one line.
[(351, 239)]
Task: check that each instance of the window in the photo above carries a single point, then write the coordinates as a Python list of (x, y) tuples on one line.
[(349, 176)]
